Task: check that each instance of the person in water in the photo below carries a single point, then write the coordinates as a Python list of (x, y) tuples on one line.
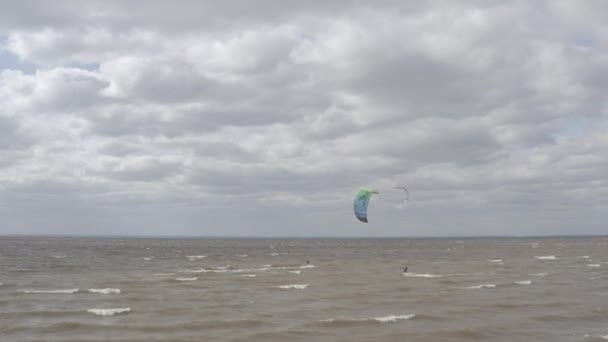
[(405, 269), (307, 261)]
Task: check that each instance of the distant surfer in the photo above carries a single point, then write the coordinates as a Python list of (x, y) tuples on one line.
[(405, 269), (307, 262)]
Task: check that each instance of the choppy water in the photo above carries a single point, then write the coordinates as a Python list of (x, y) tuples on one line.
[(76, 289)]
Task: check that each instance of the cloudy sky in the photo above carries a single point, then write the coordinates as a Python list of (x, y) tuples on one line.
[(263, 118)]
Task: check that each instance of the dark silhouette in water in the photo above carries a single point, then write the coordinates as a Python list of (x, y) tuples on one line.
[(307, 261), (405, 269)]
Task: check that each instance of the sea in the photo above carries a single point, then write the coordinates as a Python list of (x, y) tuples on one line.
[(215, 289)]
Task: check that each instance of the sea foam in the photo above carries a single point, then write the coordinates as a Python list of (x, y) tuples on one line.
[(293, 286), (382, 319), (195, 257), (187, 279), (482, 286), (63, 291), (546, 257), (109, 312), (393, 318), (417, 275), (105, 291), (539, 274), (524, 282)]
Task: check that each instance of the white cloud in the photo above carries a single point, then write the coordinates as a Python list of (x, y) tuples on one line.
[(264, 118)]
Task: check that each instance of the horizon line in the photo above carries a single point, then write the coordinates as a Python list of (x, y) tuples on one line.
[(111, 236)]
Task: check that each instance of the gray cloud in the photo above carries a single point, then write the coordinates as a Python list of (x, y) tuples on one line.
[(242, 118)]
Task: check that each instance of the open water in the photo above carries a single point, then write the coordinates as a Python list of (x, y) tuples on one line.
[(108, 289)]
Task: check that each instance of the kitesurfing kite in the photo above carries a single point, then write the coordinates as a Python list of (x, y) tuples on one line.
[(406, 192), (361, 201)]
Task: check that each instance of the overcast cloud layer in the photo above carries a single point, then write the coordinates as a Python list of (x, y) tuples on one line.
[(262, 118)]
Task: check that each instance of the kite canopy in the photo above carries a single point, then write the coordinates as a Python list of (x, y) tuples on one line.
[(361, 201)]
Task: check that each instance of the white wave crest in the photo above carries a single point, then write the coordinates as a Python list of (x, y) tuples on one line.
[(248, 275), (546, 257), (187, 279), (242, 255), (393, 318), (148, 258), (65, 291), (164, 274), (274, 254), (594, 265), (424, 275), (295, 272), (307, 266), (195, 257), (105, 291), (482, 286), (109, 312), (524, 282), (383, 319), (583, 257), (539, 274), (293, 286), (496, 260)]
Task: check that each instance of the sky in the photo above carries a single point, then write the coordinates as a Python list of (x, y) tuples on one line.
[(263, 118)]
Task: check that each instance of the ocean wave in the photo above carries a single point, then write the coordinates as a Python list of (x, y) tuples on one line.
[(242, 255), (224, 270), (482, 286), (195, 257), (594, 265), (583, 257), (423, 275), (381, 319), (393, 318), (295, 272), (187, 279), (248, 275), (109, 312), (539, 274), (496, 260), (148, 258), (546, 257), (274, 254), (307, 266), (293, 286), (62, 291), (524, 282), (164, 274), (105, 291)]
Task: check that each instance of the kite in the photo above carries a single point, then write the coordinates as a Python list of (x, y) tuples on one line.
[(361, 201), (406, 192)]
